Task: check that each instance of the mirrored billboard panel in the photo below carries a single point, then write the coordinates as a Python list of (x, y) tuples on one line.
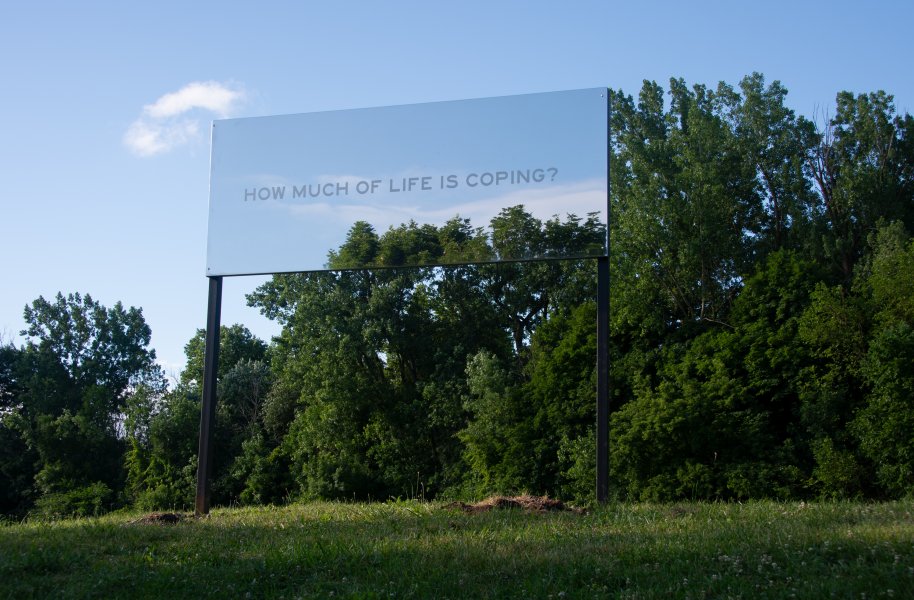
[(495, 179)]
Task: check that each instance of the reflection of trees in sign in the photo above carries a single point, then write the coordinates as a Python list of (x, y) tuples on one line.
[(514, 234)]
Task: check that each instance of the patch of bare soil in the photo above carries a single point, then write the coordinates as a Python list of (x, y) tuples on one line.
[(535, 504), (159, 518)]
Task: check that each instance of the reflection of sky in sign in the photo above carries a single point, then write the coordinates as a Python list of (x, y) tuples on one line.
[(543, 203), (264, 219)]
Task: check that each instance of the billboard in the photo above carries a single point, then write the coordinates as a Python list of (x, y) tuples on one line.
[(287, 190)]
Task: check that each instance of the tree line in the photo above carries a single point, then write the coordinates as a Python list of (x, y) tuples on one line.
[(762, 305)]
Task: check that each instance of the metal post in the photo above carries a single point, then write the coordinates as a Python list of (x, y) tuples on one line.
[(602, 379), (208, 407)]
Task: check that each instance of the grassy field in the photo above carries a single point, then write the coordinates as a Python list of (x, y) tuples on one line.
[(423, 550)]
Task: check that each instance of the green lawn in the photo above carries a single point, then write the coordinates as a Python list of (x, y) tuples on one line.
[(422, 550)]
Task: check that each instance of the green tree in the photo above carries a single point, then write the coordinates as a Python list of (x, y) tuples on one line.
[(683, 196), (723, 418), (97, 346), (162, 465), (18, 462), (863, 167), (498, 433), (163, 435), (884, 423), (78, 372), (236, 343), (776, 143), (526, 293)]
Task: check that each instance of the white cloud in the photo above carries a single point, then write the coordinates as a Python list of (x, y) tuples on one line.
[(165, 124), (210, 95)]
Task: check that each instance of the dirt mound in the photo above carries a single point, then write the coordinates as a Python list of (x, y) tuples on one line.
[(537, 504), (158, 518)]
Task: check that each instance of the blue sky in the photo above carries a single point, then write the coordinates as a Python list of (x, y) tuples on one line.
[(105, 107)]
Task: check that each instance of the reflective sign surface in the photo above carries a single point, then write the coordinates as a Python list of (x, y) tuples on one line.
[(285, 191)]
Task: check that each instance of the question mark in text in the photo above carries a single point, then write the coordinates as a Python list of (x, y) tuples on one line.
[(553, 171)]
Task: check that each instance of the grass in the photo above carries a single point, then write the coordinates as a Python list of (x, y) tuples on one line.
[(422, 550)]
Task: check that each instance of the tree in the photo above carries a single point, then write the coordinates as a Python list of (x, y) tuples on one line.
[(161, 466), (683, 196), (97, 346), (163, 450), (17, 459), (863, 167), (884, 423), (776, 144), (524, 294), (236, 343), (81, 366)]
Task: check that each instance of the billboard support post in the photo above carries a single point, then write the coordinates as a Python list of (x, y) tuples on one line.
[(602, 379), (208, 406)]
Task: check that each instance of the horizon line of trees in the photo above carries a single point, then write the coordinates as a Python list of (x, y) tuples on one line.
[(762, 340)]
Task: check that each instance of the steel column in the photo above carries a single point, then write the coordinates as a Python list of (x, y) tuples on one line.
[(602, 379), (208, 406)]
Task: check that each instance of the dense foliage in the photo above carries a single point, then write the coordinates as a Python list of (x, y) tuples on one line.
[(64, 396), (762, 340)]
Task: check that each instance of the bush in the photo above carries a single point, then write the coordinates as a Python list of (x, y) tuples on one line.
[(578, 460), (91, 500), (836, 473)]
